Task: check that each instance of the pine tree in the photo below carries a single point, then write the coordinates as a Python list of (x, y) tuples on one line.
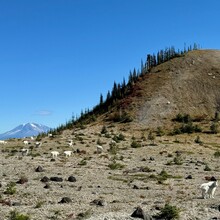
[(101, 100)]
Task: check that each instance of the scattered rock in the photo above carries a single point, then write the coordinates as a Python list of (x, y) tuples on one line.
[(135, 187), (56, 179), (39, 169), (16, 204), (79, 188), (189, 177), (152, 159), (47, 186), (22, 180), (45, 179), (5, 202), (213, 178), (65, 200), (217, 207), (72, 179), (139, 213), (98, 202)]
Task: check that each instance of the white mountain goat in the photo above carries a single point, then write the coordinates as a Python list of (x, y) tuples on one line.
[(70, 143), (54, 153), (25, 142), (208, 189), (3, 142), (67, 153), (99, 149), (24, 151), (38, 144)]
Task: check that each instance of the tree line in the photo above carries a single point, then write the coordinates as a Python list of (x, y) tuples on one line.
[(120, 90)]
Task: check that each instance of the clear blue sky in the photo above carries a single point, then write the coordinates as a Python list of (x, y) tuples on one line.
[(58, 56)]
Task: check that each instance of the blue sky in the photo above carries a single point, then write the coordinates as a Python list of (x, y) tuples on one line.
[(58, 56)]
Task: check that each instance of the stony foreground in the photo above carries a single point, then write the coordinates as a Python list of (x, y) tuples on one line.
[(111, 184)]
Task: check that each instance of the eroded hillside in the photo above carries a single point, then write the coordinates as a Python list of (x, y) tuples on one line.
[(188, 84)]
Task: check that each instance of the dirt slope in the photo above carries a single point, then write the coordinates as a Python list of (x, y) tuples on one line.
[(188, 84)]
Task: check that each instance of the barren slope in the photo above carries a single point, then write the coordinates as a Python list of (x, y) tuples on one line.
[(188, 84)]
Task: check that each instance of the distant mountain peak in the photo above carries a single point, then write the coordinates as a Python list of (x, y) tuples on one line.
[(25, 130)]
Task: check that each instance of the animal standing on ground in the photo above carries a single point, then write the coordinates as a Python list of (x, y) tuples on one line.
[(3, 142), (99, 149), (67, 153), (38, 144), (208, 189), (24, 151), (70, 143), (54, 153), (25, 142)]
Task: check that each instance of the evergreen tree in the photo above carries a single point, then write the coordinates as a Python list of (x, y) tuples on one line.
[(101, 100)]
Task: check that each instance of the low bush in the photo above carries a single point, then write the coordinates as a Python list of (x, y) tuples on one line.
[(115, 166), (169, 212), (15, 215)]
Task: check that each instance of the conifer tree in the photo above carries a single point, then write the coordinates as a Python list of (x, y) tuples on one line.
[(101, 100)]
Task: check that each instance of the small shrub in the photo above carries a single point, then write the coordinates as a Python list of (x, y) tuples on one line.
[(151, 137), (115, 166), (217, 116), (207, 168), (135, 144), (183, 118), (15, 215), (84, 215), (198, 140), (118, 138), (163, 175), (113, 149), (169, 212), (39, 204), (11, 189), (83, 162), (214, 128), (121, 117), (160, 132), (177, 160), (217, 154), (104, 130)]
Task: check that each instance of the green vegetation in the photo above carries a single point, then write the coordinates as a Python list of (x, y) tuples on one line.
[(217, 154), (169, 212), (135, 144), (207, 168), (198, 140), (11, 188), (118, 138), (104, 130), (160, 132), (83, 162), (115, 166), (186, 128), (113, 149), (15, 215), (84, 215), (151, 137), (183, 118), (214, 128), (39, 204), (121, 117), (176, 161)]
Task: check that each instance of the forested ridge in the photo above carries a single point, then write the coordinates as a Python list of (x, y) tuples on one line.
[(121, 90)]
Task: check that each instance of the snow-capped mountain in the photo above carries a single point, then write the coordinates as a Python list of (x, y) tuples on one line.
[(25, 130)]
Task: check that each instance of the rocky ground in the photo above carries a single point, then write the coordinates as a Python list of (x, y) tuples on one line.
[(111, 184)]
